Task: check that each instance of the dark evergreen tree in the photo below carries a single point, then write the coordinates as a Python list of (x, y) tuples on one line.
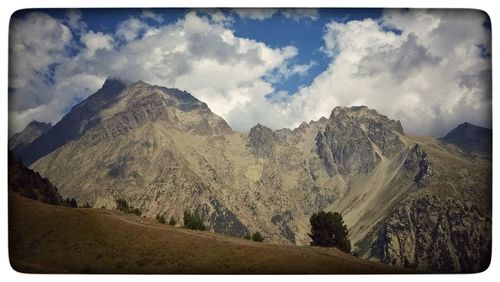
[(328, 230), (257, 237), (122, 205), (172, 221), (160, 218), (193, 221)]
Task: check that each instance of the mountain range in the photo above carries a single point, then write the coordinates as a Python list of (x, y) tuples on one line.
[(411, 201)]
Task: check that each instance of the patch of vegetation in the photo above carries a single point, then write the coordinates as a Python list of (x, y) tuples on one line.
[(160, 218), (257, 237), (172, 221), (328, 230), (193, 221), (70, 202), (287, 232), (122, 205), (31, 184)]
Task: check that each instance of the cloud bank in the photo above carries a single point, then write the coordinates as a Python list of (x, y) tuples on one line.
[(425, 68)]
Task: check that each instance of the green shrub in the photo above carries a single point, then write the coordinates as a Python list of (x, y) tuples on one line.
[(122, 205), (136, 211), (193, 221), (172, 221), (329, 230), (72, 203), (160, 218), (257, 237)]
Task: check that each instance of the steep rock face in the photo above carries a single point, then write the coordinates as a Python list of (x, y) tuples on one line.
[(432, 234), (32, 131), (261, 141), (418, 163), (346, 144), (471, 139)]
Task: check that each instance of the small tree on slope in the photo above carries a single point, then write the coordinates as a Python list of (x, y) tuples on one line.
[(328, 230)]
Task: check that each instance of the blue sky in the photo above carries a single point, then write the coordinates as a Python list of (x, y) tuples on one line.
[(277, 67)]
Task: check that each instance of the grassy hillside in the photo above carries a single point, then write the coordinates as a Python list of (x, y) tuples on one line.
[(53, 239)]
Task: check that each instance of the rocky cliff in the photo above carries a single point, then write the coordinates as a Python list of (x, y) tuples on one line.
[(434, 234)]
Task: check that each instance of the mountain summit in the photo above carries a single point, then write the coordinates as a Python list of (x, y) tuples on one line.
[(119, 108), (165, 152), (81, 118), (32, 131), (471, 139)]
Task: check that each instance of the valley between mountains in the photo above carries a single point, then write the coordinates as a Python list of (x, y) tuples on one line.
[(411, 201)]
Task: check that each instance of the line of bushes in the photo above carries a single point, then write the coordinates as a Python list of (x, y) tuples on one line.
[(256, 237), (161, 219), (122, 205)]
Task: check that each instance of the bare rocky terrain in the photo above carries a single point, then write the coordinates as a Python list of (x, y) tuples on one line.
[(410, 201)]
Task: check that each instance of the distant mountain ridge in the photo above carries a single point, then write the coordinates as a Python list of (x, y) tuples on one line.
[(165, 152), (471, 139), (32, 131)]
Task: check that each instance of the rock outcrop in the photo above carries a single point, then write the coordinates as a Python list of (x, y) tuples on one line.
[(417, 162), (436, 235), (261, 141)]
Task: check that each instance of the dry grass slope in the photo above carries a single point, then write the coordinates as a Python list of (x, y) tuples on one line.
[(53, 239)]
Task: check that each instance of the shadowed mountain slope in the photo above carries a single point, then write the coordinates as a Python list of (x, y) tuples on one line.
[(32, 131), (471, 139)]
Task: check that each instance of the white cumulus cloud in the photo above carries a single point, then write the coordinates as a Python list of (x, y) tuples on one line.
[(198, 53), (430, 75)]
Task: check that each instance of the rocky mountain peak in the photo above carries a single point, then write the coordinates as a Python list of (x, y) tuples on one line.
[(32, 131), (141, 103), (261, 141), (366, 116), (39, 124), (355, 138), (81, 118), (471, 139)]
